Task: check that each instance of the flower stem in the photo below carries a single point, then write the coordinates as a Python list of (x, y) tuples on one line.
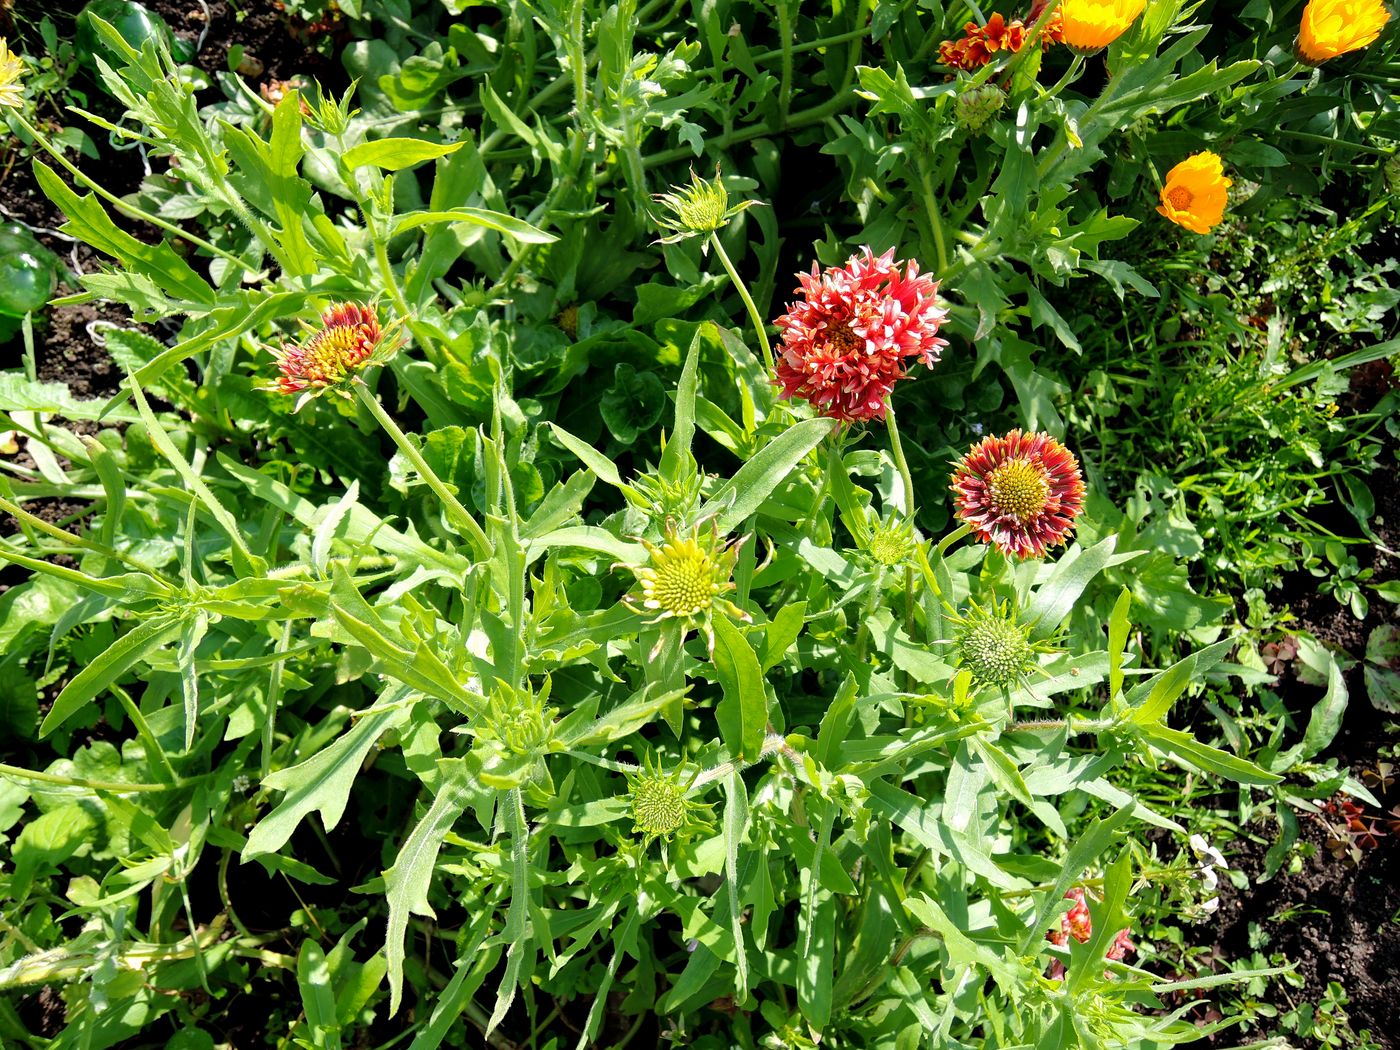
[(129, 210), (907, 482), (935, 217), (952, 538), (897, 448), (772, 744), (748, 302), (457, 514)]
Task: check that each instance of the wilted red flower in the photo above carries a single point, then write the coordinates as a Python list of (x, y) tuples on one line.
[(1077, 924), (980, 43), (1020, 492), (847, 341), (348, 336)]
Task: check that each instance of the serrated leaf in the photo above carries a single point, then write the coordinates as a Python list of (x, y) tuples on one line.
[(324, 780), (406, 883)]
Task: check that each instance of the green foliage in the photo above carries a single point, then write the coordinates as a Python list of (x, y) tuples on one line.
[(359, 708)]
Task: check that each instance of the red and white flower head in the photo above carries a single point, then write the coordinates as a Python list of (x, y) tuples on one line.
[(348, 337), (853, 333), (1077, 923), (1020, 493)]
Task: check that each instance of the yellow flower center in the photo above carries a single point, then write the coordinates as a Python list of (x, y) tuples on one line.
[(330, 351), (1018, 489), (1179, 197), (683, 581)]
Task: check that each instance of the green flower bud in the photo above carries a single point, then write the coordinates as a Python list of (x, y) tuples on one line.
[(976, 107), (994, 646)]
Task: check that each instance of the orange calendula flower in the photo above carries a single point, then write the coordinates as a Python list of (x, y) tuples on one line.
[(1195, 193), (349, 337), (1091, 25), (1337, 27), (1020, 493)]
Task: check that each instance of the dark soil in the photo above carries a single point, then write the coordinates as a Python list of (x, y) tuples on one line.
[(64, 350), (1337, 919)]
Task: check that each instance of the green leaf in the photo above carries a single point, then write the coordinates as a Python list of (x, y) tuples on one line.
[(736, 819), (247, 562), (1187, 749), (518, 229), (742, 714), (781, 633), (1097, 838), (676, 456), (633, 404), (1151, 700), (416, 665), (324, 780), (407, 882), (47, 841), (816, 961), (18, 394), (743, 494), (1326, 718), (88, 221), (1108, 919), (1056, 597), (118, 658), (594, 460), (1118, 628), (395, 154), (317, 996)]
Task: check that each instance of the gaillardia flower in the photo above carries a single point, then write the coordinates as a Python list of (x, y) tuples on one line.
[(1337, 27), (1020, 493), (686, 579), (347, 340), (1091, 25), (850, 337), (1195, 193), (980, 43), (11, 72)]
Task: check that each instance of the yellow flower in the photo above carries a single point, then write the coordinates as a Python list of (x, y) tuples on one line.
[(1090, 25), (1337, 27), (686, 579), (1194, 196), (11, 70)]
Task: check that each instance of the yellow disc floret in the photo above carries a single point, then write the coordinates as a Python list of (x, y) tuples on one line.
[(1018, 489), (681, 580)]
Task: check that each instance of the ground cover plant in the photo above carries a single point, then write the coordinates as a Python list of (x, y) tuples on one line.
[(738, 524)]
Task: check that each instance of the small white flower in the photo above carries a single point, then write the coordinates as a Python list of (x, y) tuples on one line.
[(1206, 851), (1210, 858)]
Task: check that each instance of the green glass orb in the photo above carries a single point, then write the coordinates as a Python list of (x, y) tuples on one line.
[(136, 24), (27, 282), (16, 238)]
